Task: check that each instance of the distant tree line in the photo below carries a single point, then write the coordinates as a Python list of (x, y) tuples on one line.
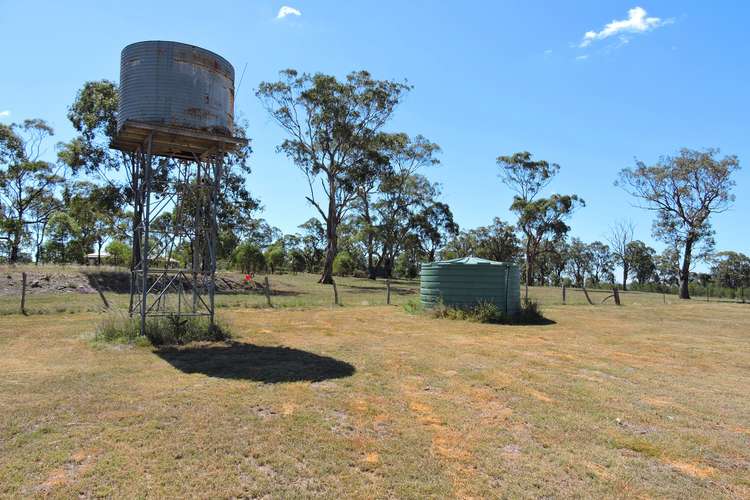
[(376, 212)]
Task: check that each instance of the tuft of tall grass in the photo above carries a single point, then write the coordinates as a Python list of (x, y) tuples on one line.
[(167, 330), (487, 312)]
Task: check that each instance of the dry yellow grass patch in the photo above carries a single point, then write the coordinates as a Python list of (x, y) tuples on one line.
[(371, 402)]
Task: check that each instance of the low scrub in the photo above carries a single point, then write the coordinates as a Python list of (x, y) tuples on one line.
[(167, 330), (487, 312)]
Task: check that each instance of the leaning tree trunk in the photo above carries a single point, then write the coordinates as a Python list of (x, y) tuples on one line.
[(685, 270), (331, 236)]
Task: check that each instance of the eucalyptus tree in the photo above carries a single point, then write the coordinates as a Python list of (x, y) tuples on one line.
[(602, 265), (732, 270), (27, 183), (331, 126), (684, 191), (313, 242), (538, 218), (641, 259), (433, 227), (668, 266), (579, 261), (496, 241), (620, 236)]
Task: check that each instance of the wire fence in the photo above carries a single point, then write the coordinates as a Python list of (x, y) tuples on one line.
[(55, 290)]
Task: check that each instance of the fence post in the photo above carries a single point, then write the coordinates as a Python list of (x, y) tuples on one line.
[(335, 292), (563, 294), (267, 289), (616, 293), (388, 291), (587, 295), (23, 293)]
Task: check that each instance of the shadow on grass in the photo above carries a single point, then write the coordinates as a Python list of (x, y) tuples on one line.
[(237, 360)]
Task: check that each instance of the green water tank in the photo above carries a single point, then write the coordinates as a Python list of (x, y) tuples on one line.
[(468, 281)]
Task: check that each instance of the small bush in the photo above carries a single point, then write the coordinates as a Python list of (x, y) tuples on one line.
[(168, 330), (413, 306), (487, 312)]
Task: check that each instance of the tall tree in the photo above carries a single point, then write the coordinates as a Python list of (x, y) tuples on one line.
[(331, 127), (538, 218), (668, 266), (579, 261), (641, 259), (313, 243), (432, 227), (732, 270), (684, 191), (620, 236), (496, 241), (601, 262), (27, 183)]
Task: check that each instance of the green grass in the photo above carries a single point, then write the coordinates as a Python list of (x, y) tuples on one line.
[(158, 331)]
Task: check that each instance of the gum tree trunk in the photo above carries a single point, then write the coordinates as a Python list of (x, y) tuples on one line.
[(685, 270)]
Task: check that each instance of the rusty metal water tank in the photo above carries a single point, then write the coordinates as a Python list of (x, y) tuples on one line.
[(176, 84)]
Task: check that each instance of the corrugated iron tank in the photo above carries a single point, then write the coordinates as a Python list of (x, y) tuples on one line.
[(468, 281), (176, 84)]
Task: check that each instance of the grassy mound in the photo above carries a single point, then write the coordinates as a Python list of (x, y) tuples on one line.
[(168, 330)]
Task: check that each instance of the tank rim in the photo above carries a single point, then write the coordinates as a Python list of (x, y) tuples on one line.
[(183, 44)]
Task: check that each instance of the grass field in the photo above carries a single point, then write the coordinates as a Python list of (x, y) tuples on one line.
[(645, 400)]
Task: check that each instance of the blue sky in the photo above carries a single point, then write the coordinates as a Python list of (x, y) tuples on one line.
[(490, 78)]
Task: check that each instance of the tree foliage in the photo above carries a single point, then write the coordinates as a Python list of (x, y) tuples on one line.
[(684, 191), (333, 129)]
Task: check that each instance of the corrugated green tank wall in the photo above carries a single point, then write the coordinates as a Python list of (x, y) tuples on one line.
[(468, 281)]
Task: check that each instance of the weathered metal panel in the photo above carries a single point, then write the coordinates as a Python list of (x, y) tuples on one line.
[(176, 84), (467, 282)]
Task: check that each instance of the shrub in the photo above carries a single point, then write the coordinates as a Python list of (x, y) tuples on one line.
[(343, 264), (413, 306), (487, 312), (119, 253), (167, 330)]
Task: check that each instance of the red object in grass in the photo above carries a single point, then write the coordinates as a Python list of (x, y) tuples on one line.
[(248, 277)]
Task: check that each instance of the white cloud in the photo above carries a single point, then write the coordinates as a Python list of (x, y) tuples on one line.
[(637, 22), (547, 52), (287, 11), (4, 113), (582, 58)]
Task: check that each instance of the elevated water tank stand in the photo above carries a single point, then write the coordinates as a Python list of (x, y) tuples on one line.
[(189, 165)]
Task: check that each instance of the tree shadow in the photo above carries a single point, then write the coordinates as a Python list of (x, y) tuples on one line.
[(268, 364)]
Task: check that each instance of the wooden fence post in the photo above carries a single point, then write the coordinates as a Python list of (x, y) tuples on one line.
[(616, 293), (563, 294), (335, 292), (23, 293), (587, 295), (388, 291), (267, 289)]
